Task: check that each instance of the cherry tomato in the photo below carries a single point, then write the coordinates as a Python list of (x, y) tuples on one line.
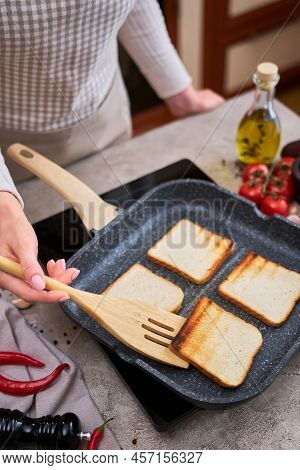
[(274, 204), (255, 171), (256, 179), (288, 160), (282, 186), (284, 167), (252, 191)]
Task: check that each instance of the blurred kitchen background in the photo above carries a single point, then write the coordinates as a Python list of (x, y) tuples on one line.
[(221, 42)]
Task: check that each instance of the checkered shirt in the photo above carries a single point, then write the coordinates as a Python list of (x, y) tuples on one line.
[(58, 58)]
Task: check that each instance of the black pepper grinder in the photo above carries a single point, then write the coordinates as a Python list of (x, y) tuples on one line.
[(18, 431)]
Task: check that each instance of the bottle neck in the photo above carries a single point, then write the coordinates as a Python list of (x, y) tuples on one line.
[(264, 93), (263, 99)]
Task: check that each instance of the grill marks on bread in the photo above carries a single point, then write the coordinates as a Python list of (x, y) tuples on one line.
[(192, 251), (265, 289), (218, 343)]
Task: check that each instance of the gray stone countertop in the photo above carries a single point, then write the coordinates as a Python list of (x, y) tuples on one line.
[(271, 420)]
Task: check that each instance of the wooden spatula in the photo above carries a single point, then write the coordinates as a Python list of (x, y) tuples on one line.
[(142, 327)]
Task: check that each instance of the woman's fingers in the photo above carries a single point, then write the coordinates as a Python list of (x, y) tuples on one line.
[(23, 290), (18, 236), (26, 250), (18, 241), (59, 268), (69, 275), (58, 271), (50, 267)]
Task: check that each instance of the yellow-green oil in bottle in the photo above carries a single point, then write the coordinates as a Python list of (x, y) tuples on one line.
[(258, 135)]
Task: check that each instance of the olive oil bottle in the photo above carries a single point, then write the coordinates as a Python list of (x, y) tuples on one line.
[(258, 135)]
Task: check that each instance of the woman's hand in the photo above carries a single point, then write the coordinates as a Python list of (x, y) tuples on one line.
[(18, 241), (191, 101)]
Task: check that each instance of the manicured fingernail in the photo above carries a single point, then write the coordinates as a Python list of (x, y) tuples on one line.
[(75, 274), (63, 264), (37, 282), (65, 297), (52, 261)]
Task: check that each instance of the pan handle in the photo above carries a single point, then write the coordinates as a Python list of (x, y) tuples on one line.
[(93, 211)]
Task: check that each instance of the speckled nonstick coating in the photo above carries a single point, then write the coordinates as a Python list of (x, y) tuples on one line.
[(125, 241)]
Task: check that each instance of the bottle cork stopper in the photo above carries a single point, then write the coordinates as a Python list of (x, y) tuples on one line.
[(267, 71)]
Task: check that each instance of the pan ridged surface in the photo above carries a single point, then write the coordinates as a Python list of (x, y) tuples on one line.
[(126, 240)]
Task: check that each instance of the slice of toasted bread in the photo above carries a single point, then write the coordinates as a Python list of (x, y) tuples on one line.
[(218, 343), (191, 250), (266, 290), (139, 283)]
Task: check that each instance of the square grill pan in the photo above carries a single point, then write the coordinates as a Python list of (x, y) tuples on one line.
[(126, 240)]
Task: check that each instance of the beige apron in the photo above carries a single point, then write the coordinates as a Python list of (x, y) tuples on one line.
[(110, 124)]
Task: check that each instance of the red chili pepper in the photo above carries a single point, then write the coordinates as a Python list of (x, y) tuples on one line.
[(17, 387), (11, 357), (96, 436)]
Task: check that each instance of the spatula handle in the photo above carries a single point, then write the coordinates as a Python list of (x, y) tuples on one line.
[(93, 211), (15, 269)]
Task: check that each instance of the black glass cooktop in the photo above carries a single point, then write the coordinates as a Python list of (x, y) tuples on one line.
[(63, 234)]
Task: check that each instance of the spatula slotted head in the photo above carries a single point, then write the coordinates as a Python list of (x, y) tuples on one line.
[(142, 327)]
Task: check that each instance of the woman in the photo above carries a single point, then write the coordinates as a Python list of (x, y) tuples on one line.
[(61, 92)]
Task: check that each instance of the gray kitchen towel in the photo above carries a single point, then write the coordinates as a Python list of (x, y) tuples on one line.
[(67, 393)]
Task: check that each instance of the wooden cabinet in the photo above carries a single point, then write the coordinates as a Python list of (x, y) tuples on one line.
[(234, 41)]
